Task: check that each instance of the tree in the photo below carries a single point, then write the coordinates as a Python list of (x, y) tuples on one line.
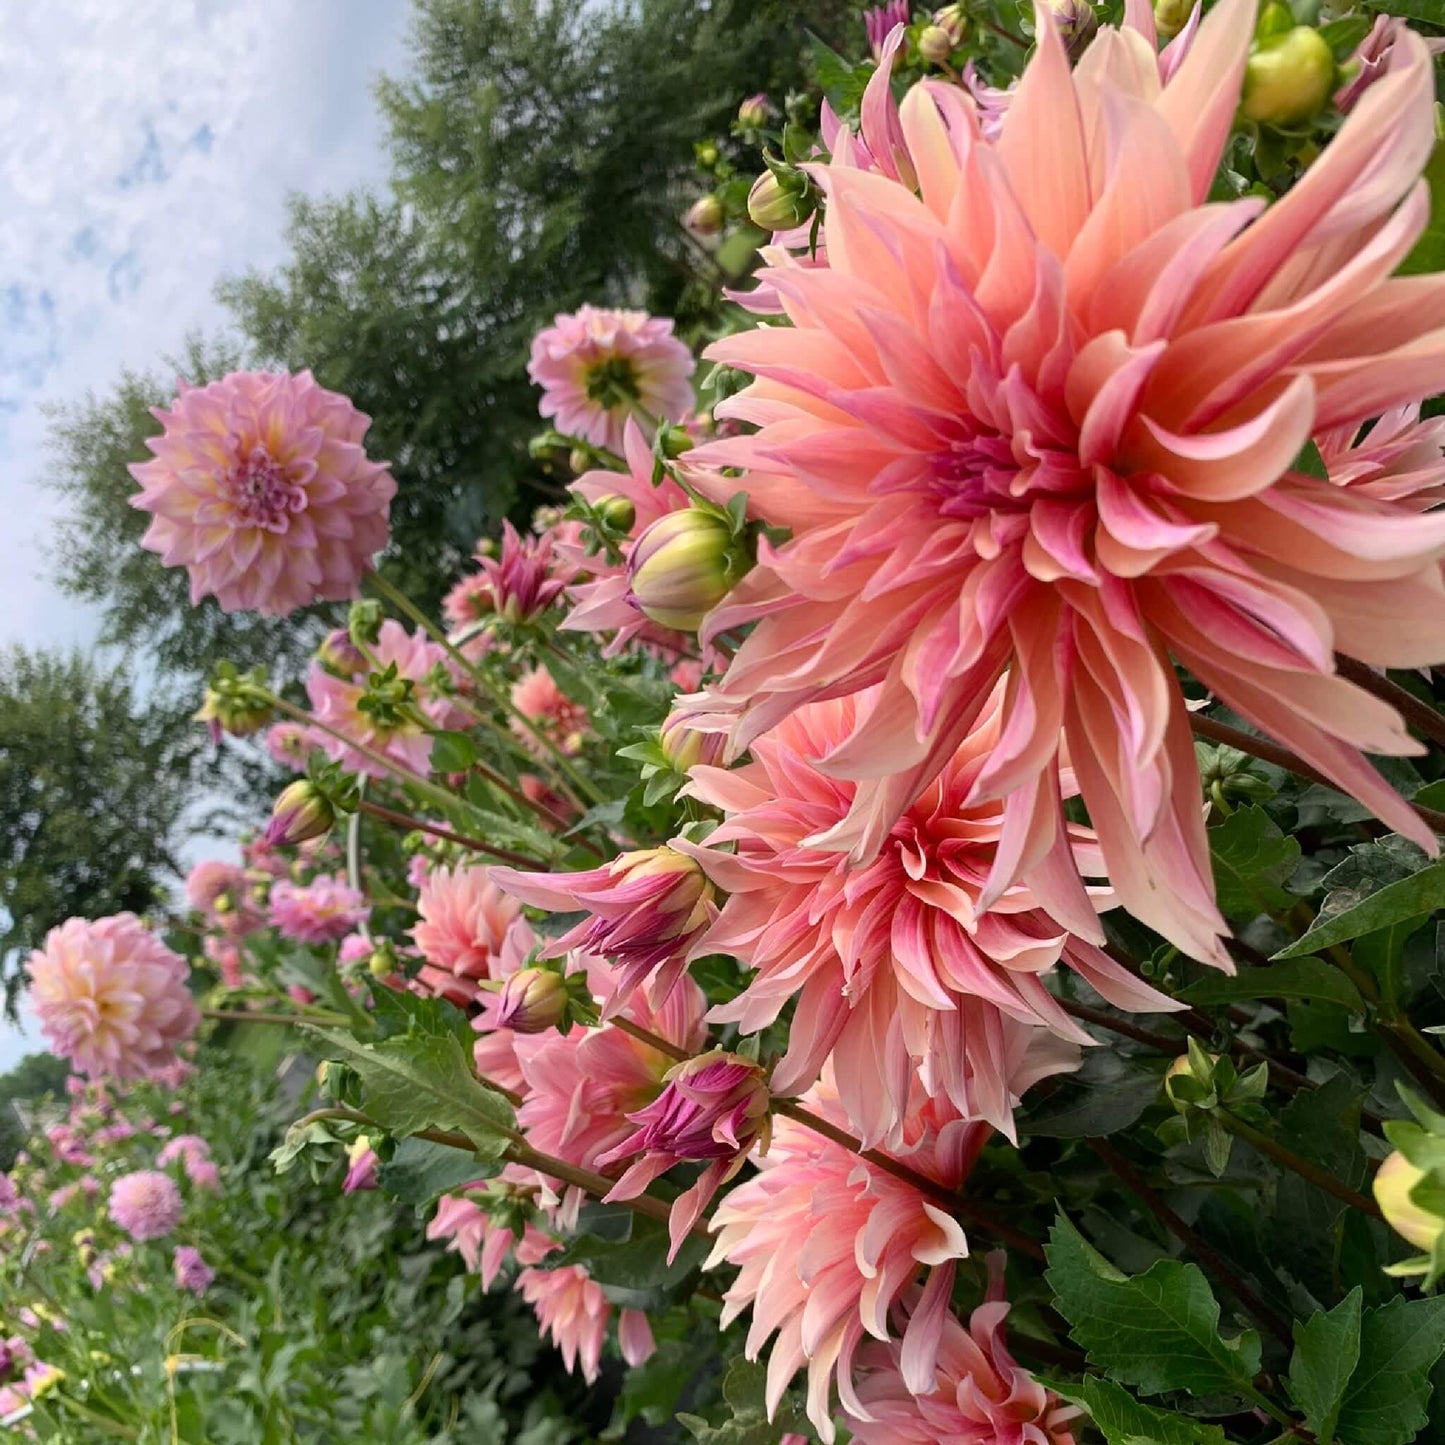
[(95, 786)]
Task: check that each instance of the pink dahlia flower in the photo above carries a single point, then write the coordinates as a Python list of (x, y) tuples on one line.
[(227, 958), (221, 892), (184, 1147), (1399, 458), (595, 366), (1035, 419), (647, 908), (484, 1241), (826, 1246), (536, 696), (880, 21), (521, 584), (581, 1087), (469, 931), (291, 744), (111, 997), (146, 1204), (712, 1110), (601, 592), (900, 967), (573, 1313), (980, 1397), (192, 1273), (204, 1175), (261, 489), (336, 701), (322, 911)]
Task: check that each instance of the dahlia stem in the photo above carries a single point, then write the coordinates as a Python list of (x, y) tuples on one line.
[(1162, 1042), (1190, 1238), (1268, 752), (1420, 715), (242, 1016), (1297, 1164), (475, 845)]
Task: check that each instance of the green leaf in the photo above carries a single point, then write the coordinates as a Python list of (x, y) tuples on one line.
[(634, 1272), (452, 752), (1421, 893), (420, 1172), (1310, 463), (1252, 858), (1326, 1351), (1428, 253), (1123, 1420), (1157, 1331), (424, 1081), (1385, 1401), (1106, 1094), (743, 1389), (1294, 978), (842, 82), (1343, 36)]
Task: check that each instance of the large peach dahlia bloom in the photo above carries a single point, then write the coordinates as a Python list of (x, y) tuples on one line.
[(1035, 419)]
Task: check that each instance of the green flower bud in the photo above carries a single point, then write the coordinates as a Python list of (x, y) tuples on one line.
[(778, 205), (705, 216), (935, 44), (1171, 16), (1288, 78), (364, 621), (682, 566), (615, 513)]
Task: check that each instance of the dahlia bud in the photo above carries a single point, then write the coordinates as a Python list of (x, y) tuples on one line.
[(1077, 23), (364, 621), (579, 461), (234, 703), (615, 512), (953, 19), (361, 1162), (682, 566), (1288, 78), (340, 656), (382, 963), (753, 112), (778, 205), (935, 45), (706, 152), (1393, 1182), (686, 746), (301, 811), (705, 216), (532, 1001), (1171, 16)]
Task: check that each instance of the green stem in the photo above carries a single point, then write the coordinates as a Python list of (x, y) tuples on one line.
[(475, 845), (320, 1020), (1297, 1164)]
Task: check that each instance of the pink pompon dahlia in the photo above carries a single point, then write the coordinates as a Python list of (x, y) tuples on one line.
[(596, 367), (322, 911), (145, 1204), (902, 967), (221, 892), (1035, 419), (981, 1396), (191, 1271), (826, 1245), (111, 997), (469, 931), (551, 713), (646, 909), (291, 744), (712, 1110), (601, 595), (261, 489), (573, 1313), (337, 704)]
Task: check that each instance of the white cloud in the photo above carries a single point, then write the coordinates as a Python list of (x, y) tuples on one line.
[(146, 149)]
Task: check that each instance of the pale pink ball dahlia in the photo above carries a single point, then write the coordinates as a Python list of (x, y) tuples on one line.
[(903, 968), (291, 744), (469, 932), (322, 911), (1036, 419), (826, 1245), (146, 1204), (981, 1396), (111, 997), (595, 366), (261, 489), (573, 1313), (336, 702), (221, 892)]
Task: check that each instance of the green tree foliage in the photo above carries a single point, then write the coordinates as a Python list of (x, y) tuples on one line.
[(36, 1076)]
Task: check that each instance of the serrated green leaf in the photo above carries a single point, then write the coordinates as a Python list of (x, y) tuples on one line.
[(452, 752), (1251, 859), (842, 82), (1326, 1351), (634, 1271), (1124, 1420), (420, 1172), (1385, 1401), (415, 1081), (1294, 978), (1421, 893), (1157, 1331), (743, 1389)]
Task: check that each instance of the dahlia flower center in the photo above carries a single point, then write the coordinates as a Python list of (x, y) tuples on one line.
[(611, 383), (991, 473), (262, 493)]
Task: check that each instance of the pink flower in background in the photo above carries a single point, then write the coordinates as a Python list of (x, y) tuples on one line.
[(520, 584), (1372, 59), (564, 723), (222, 893), (336, 703), (826, 1245), (291, 744), (1037, 423), (905, 966), (468, 931), (355, 948), (573, 1313), (227, 958), (145, 1204), (322, 911), (595, 365), (484, 1242), (261, 489), (111, 997), (1398, 458), (184, 1147), (880, 21), (646, 908), (713, 1109), (192, 1273), (204, 1175), (981, 1397)]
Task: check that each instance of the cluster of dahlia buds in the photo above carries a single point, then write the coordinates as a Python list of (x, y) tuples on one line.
[(1291, 72), (235, 702), (538, 998), (1206, 1089), (363, 622), (1228, 777), (685, 563), (942, 35), (1410, 1188)]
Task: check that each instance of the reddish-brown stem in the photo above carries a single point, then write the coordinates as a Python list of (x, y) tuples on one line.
[(475, 845), (1420, 715), (1298, 1164), (1122, 1027)]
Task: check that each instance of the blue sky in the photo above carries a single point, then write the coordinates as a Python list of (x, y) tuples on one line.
[(147, 148)]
